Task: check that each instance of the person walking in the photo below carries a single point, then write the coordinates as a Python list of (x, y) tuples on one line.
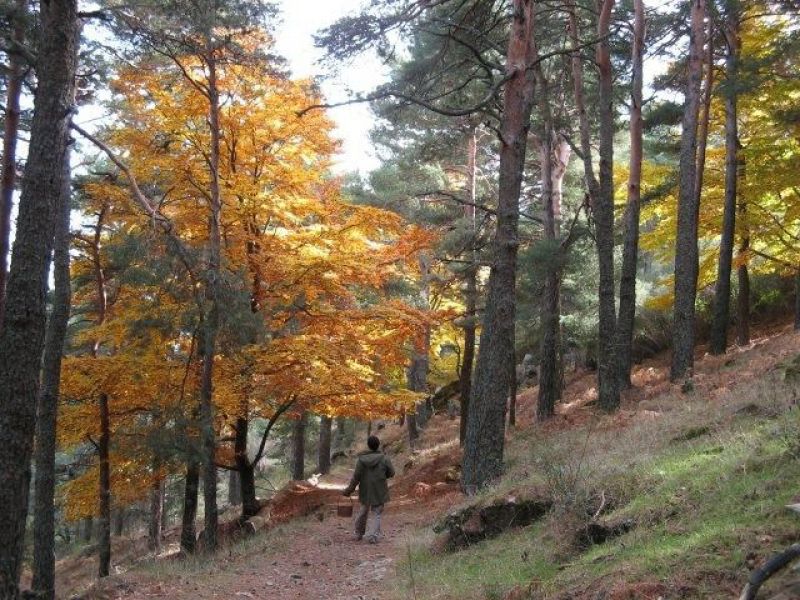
[(373, 469)]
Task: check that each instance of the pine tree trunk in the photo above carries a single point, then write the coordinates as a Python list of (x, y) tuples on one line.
[(485, 439), (208, 436), (119, 522), (188, 525), (324, 447), (104, 533), (23, 327), (165, 504), (512, 392), (299, 448), (630, 251), (45, 452), (340, 434), (607, 372), (686, 260), (234, 488), (743, 299), (14, 77), (245, 471), (247, 482), (797, 301), (722, 297), (550, 347), (156, 514), (87, 531), (600, 193), (470, 287)]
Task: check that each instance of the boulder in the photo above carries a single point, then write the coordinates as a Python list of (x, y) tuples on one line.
[(476, 523)]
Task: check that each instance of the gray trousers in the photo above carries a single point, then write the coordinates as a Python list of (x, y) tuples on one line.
[(361, 521)]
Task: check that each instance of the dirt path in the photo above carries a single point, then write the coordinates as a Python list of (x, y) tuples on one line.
[(311, 558)]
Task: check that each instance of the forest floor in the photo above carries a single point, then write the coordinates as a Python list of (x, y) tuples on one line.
[(704, 472)]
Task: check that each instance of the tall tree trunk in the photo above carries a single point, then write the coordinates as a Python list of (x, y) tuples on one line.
[(686, 261), (340, 434), (722, 296), (165, 504), (104, 533), (743, 299), (104, 483), (245, 471), (234, 488), (601, 195), (156, 512), (470, 286), (299, 448), (188, 525), (324, 447), (208, 436), (23, 327), (484, 443), (512, 391), (45, 452), (119, 522), (417, 374), (630, 251), (550, 347), (797, 301), (247, 486), (10, 133), (88, 530), (607, 372)]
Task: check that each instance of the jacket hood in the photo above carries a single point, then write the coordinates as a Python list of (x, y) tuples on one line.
[(371, 459)]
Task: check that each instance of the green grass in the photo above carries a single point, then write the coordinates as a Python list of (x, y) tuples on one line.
[(700, 504)]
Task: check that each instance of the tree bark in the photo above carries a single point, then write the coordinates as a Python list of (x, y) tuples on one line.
[(14, 79), (797, 301), (485, 439), (45, 452), (551, 151), (630, 251), (165, 510), (234, 488), (324, 447), (88, 530), (245, 471), (686, 260), (607, 372), (512, 392), (156, 513), (104, 533), (119, 522), (211, 320), (299, 448), (743, 299), (23, 327), (722, 296), (188, 525), (470, 286), (601, 196)]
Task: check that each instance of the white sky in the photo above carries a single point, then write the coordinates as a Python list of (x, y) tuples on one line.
[(294, 40)]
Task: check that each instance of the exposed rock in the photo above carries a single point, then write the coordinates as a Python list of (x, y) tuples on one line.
[(476, 523)]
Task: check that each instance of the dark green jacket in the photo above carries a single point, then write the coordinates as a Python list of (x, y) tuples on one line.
[(372, 471)]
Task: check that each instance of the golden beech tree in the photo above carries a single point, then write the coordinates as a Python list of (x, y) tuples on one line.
[(308, 324), (768, 198)]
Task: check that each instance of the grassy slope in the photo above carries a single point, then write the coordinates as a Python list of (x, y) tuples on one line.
[(705, 475)]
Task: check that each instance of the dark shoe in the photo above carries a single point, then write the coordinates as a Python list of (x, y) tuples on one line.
[(356, 538)]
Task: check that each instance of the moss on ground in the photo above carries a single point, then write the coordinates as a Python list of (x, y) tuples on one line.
[(705, 506)]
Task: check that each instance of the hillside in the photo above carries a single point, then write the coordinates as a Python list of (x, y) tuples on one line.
[(687, 486)]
